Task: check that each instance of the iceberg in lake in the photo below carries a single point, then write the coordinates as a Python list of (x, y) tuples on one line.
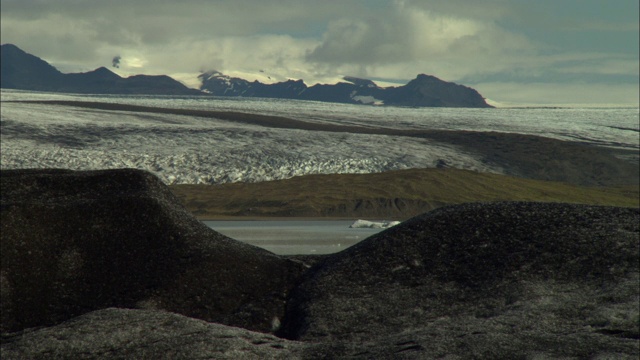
[(365, 224)]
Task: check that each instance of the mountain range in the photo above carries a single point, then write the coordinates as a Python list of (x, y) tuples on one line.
[(21, 70), (423, 91)]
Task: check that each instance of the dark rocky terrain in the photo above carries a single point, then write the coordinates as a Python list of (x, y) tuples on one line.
[(114, 333), (423, 91), (107, 264), (74, 242), (23, 71), (501, 280)]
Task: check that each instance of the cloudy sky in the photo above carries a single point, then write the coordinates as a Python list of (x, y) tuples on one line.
[(524, 52)]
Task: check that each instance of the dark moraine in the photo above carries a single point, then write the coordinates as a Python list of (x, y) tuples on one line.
[(107, 264)]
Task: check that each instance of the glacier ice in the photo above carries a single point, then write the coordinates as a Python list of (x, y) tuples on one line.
[(189, 149), (366, 224)]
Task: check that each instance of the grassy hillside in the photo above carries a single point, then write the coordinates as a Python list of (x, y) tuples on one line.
[(390, 195)]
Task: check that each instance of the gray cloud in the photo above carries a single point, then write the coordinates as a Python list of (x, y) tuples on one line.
[(361, 41), (408, 37), (115, 62), (323, 40)]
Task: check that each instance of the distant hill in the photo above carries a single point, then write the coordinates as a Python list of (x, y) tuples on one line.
[(23, 71), (423, 91)]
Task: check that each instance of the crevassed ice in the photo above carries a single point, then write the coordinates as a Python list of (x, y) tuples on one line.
[(187, 149)]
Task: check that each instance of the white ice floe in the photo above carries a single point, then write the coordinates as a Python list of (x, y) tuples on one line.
[(367, 100), (365, 224)]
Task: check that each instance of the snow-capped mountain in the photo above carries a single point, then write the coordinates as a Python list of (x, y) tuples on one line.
[(224, 85), (23, 71), (423, 91)]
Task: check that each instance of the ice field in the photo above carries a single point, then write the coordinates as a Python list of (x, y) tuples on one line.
[(192, 149)]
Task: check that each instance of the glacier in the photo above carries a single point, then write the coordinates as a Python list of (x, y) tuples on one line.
[(183, 149)]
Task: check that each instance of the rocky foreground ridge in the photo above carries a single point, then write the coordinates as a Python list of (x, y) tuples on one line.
[(107, 264)]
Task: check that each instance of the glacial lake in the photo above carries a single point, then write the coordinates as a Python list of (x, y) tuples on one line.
[(294, 237)]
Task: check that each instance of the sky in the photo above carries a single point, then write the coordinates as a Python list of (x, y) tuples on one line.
[(514, 52)]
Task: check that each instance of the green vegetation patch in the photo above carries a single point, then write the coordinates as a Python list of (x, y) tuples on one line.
[(395, 194)]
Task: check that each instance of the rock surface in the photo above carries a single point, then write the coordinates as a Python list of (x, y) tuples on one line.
[(73, 242), (485, 281), (501, 280), (145, 334)]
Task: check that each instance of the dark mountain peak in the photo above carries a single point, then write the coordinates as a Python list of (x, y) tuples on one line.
[(430, 91), (100, 73), (21, 70), (425, 76), (12, 48), (426, 79), (103, 70), (360, 82), (157, 77), (423, 91), (12, 53)]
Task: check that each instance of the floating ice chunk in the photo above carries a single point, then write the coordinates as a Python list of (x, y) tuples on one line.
[(365, 224), (367, 100)]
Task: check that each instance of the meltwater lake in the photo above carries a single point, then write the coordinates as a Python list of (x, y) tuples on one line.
[(295, 237)]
